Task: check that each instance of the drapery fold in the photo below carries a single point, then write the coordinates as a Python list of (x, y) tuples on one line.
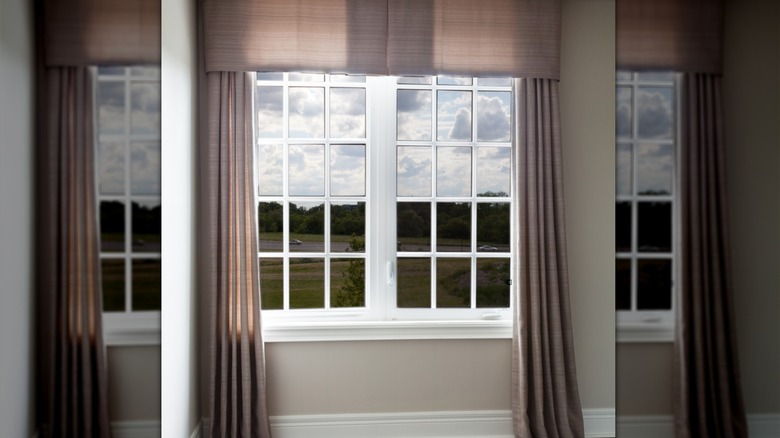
[(71, 352), (709, 396), (237, 384), (545, 395)]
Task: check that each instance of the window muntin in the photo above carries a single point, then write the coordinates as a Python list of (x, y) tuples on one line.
[(435, 136), (128, 179), (646, 224)]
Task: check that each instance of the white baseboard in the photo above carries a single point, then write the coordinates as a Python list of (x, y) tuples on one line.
[(662, 426), (599, 423), (136, 429)]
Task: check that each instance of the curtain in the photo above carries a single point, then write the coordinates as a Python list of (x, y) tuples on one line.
[(71, 353), (545, 396), (237, 383), (709, 396)]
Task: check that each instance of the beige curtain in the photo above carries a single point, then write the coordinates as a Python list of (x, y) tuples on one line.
[(71, 354), (238, 401), (681, 35), (545, 396), (101, 32), (709, 396)]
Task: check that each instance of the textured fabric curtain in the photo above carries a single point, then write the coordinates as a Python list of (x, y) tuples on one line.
[(681, 35), (516, 38), (709, 396), (238, 401), (71, 353), (101, 32), (545, 396)]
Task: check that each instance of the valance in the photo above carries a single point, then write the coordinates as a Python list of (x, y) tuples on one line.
[(101, 32), (680, 35), (519, 38)]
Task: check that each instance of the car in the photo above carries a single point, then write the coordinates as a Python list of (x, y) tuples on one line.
[(487, 248), (295, 242)]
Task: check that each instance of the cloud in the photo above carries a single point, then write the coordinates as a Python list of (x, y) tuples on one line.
[(493, 116), (461, 129), (307, 112), (270, 163), (623, 178), (307, 170), (347, 170), (623, 112), (145, 168), (453, 171), (112, 167), (270, 107), (654, 112), (413, 100), (453, 115), (111, 107), (654, 173), (493, 169), (145, 106), (414, 171)]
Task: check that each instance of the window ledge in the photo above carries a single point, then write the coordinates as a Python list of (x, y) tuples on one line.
[(385, 330), (139, 328), (644, 333)]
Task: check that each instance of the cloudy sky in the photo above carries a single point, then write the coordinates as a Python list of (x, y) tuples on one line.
[(654, 173), (307, 170), (145, 168), (493, 169), (453, 171), (270, 161), (348, 170), (414, 171), (414, 114)]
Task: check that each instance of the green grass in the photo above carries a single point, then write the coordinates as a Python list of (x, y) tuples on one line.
[(307, 282)]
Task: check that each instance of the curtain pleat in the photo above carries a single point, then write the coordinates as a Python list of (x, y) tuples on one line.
[(545, 396), (709, 396), (238, 400), (74, 381)]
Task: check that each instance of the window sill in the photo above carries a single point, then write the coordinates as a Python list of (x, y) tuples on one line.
[(140, 328), (385, 330)]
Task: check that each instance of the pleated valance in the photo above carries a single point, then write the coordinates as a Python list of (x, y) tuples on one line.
[(519, 38), (101, 32), (680, 35)]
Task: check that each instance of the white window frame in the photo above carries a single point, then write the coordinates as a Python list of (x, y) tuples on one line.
[(639, 326), (126, 327), (380, 319)]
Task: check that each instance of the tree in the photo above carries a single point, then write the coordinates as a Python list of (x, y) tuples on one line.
[(352, 292)]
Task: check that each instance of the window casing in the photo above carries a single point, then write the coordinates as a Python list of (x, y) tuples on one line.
[(127, 114), (647, 206), (369, 193)]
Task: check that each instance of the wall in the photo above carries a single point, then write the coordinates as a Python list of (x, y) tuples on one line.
[(133, 383), (16, 218), (392, 376)]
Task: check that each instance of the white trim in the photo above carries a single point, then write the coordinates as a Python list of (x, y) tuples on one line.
[(662, 426), (598, 423), (386, 330), (131, 328), (136, 429), (644, 332)]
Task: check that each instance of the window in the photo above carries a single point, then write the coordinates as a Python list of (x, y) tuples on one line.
[(128, 179), (646, 222), (383, 198)]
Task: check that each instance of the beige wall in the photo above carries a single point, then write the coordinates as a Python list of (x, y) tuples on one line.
[(751, 88), (16, 218), (133, 383), (388, 376)]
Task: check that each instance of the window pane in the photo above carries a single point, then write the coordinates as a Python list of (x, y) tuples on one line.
[(111, 107), (654, 226), (270, 162), (348, 170), (493, 227), (145, 100), (307, 225), (312, 77), (453, 171), (146, 222), (654, 162), (655, 112), (270, 76), (307, 112), (347, 78), (347, 282), (414, 171), (270, 217), (414, 282), (654, 284), (623, 76), (623, 227), (112, 167), (307, 170), (145, 71), (493, 116), (423, 80), (270, 108), (492, 287), (452, 80), (623, 284), (111, 71), (414, 115), (453, 222), (493, 171), (145, 168), (348, 113), (623, 183), (414, 226), (453, 120), (307, 283), (146, 284), (113, 277), (271, 283), (453, 282), (112, 226), (624, 96), (348, 227), (494, 82), (655, 76)]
